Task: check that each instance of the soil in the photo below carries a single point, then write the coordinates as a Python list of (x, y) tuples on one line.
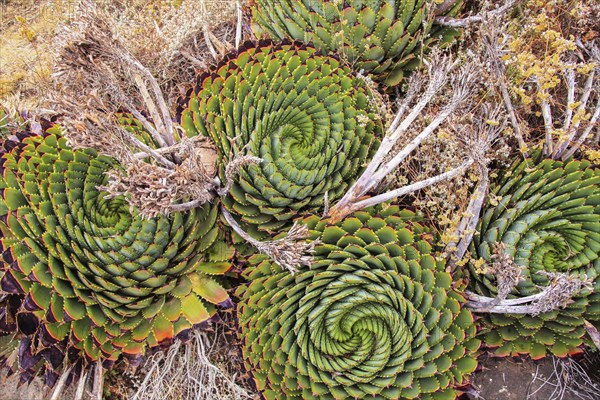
[(498, 379), (505, 379), (10, 390)]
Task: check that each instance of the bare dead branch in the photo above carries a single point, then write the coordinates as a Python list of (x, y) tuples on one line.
[(290, 252), (160, 127), (60, 385), (415, 84), (483, 16), (183, 207), (569, 75), (593, 332), (466, 228), (378, 168), (238, 29), (582, 138), (98, 386), (442, 8), (169, 135), (81, 384), (491, 41), (233, 168), (475, 139), (558, 294), (147, 149), (209, 44), (371, 201), (563, 145), (548, 123)]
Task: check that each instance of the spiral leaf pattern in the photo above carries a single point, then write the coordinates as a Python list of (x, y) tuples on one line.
[(91, 275), (383, 38), (547, 214), (374, 315), (307, 118)]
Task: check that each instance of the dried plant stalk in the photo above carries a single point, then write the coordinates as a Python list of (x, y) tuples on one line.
[(290, 252)]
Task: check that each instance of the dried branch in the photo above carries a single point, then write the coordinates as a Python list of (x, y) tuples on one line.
[(467, 225), (81, 384), (60, 385), (548, 123), (442, 8), (583, 137), (475, 139), (290, 252), (326, 204), (233, 168), (570, 81), (562, 146), (415, 84), (593, 332), (381, 165), (559, 293), (209, 44), (460, 93), (238, 29), (147, 149), (169, 134), (371, 201), (481, 17), (156, 190), (153, 112), (491, 41), (98, 387)]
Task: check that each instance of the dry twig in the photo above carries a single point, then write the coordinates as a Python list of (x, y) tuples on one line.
[(290, 252), (382, 164), (156, 190), (481, 17), (491, 38), (476, 140), (189, 371), (558, 294), (570, 380)]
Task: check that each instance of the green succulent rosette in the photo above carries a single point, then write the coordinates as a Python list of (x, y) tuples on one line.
[(375, 315), (384, 38), (547, 215), (86, 275), (309, 120)]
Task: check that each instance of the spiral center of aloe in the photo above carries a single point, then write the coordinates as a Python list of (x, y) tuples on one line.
[(308, 119), (359, 326)]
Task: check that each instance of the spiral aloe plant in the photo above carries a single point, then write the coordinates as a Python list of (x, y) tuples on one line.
[(85, 274), (309, 120), (384, 38), (546, 214), (375, 315)]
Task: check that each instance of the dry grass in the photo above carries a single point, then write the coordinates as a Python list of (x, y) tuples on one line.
[(165, 35), (204, 368), (570, 379), (27, 28)]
